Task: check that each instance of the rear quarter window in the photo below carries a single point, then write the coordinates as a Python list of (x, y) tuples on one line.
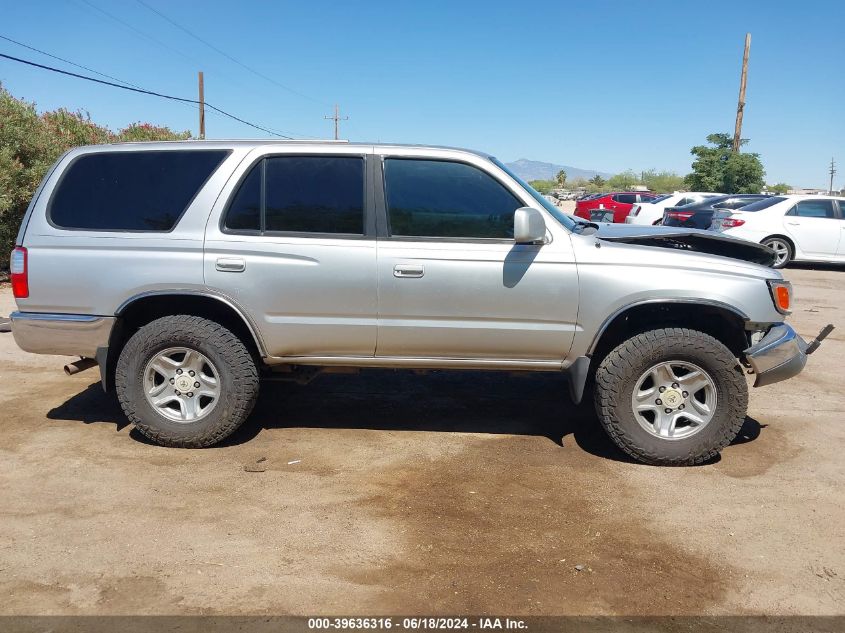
[(130, 191)]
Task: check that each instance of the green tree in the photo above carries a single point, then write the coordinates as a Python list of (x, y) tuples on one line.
[(561, 178), (30, 143), (543, 186), (597, 181), (718, 168), (663, 181), (779, 188), (623, 181)]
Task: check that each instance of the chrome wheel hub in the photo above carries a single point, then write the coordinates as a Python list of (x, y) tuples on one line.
[(181, 384), (781, 251), (674, 399)]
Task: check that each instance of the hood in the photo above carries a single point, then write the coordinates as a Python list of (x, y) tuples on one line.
[(692, 240)]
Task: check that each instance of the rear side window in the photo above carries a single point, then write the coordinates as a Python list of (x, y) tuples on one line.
[(432, 198), (733, 203), (301, 194), (813, 209), (130, 191), (765, 203), (625, 198)]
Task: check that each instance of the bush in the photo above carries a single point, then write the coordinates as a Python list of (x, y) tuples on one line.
[(30, 143)]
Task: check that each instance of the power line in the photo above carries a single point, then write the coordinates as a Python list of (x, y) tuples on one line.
[(142, 91), (66, 61), (225, 54), (138, 31)]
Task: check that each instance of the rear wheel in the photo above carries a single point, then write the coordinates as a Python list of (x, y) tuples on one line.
[(186, 381), (782, 248), (671, 396)]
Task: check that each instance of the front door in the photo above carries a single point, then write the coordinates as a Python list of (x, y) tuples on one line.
[(294, 250), (452, 282)]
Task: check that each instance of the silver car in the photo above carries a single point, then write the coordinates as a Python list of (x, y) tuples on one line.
[(188, 271)]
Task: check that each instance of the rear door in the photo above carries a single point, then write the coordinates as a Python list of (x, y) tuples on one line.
[(452, 282), (814, 225), (622, 204), (293, 244)]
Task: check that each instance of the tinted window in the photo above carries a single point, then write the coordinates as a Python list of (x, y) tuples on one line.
[(733, 203), (315, 194), (130, 191), (765, 203), (684, 201), (302, 194), (245, 209), (813, 209), (429, 198), (627, 198)]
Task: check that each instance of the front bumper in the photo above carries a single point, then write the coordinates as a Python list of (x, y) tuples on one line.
[(61, 334), (779, 355)]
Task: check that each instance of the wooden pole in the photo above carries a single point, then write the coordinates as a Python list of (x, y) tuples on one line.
[(741, 105), (202, 105), (336, 119)]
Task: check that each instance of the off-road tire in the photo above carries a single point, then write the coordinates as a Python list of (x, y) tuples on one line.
[(619, 371), (238, 377)]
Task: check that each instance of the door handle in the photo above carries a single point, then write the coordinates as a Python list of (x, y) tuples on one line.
[(230, 264), (408, 270), (794, 223)]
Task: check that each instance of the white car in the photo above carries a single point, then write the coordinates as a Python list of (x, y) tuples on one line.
[(796, 228), (652, 212)]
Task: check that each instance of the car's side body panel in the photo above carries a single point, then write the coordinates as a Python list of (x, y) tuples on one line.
[(325, 299)]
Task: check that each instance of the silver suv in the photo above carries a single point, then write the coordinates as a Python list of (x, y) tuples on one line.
[(187, 271)]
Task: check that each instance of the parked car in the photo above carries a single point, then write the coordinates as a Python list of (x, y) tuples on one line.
[(618, 203), (796, 228), (187, 271), (651, 211), (700, 215)]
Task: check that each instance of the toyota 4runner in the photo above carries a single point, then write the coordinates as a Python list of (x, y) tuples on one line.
[(187, 271)]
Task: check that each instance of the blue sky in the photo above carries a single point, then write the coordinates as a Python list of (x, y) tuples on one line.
[(605, 85)]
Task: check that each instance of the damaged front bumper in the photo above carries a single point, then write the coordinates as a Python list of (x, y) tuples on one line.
[(781, 354)]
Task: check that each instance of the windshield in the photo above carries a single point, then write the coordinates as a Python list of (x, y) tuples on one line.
[(759, 205), (659, 198), (558, 215)]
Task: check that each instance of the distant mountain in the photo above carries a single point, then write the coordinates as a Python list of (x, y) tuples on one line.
[(530, 170)]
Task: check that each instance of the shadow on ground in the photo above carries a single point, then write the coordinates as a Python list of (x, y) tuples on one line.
[(530, 404)]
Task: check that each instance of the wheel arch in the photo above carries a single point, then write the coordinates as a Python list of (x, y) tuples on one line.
[(722, 321), (146, 307), (781, 236)]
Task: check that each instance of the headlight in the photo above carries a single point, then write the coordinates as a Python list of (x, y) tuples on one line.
[(781, 295)]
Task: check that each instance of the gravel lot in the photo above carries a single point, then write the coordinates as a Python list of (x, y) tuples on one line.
[(395, 493)]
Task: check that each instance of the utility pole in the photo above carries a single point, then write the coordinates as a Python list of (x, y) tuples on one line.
[(336, 118), (202, 105), (832, 172), (741, 105)]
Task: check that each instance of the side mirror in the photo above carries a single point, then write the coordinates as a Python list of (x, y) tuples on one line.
[(528, 226)]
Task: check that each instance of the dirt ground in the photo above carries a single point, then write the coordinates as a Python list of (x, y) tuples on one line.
[(392, 493)]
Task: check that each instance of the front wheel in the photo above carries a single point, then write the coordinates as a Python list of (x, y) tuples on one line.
[(782, 249), (671, 396)]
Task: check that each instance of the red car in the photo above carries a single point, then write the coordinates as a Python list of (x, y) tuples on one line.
[(620, 203)]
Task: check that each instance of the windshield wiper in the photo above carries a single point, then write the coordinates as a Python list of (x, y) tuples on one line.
[(586, 223)]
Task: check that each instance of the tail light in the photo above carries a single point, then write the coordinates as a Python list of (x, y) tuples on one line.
[(635, 210), (679, 215), (730, 223), (19, 273)]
